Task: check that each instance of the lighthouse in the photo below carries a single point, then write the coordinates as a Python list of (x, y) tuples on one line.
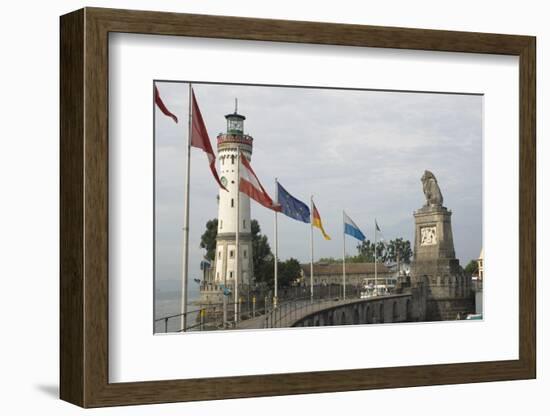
[(223, 273)]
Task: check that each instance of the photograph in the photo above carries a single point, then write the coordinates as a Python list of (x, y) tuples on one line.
[(282, 206), (280, 209)]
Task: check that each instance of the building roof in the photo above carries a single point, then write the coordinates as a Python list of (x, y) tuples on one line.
[(321, 269)]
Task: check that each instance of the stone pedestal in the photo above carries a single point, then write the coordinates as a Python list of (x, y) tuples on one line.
[(448, 290)]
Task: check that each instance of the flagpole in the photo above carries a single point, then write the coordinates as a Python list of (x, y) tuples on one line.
[(375, 268), (344, 254), (276, 266), (185, 248), (311, 245), (237, 231)]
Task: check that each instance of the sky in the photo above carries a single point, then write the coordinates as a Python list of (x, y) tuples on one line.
[(359, 151)]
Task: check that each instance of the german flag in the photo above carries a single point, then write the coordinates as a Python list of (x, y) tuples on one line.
[(317, 221)]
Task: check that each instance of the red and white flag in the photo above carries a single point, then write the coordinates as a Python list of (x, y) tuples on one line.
[(200, 139), (251, 186), (162, 107)]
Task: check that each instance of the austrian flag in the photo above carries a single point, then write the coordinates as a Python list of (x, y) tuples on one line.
[(251, 186), (200, 138), (160, 104), (198, 134)]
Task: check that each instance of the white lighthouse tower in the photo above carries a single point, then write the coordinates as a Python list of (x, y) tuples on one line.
[(224, 270)]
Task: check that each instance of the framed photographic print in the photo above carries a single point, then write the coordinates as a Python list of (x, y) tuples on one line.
[(255, 207)]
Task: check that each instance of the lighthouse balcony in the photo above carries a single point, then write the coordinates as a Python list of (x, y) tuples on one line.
[(229, 139)]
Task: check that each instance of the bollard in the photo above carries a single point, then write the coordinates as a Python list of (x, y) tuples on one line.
[(239, 306), (253, 306), (165, 325), (202, 313), (224, 312)]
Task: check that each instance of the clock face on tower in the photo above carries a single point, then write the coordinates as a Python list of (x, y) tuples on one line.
[(223, 179), (428, 236)]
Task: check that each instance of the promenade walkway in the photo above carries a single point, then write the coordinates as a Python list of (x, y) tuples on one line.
[(288, 313)]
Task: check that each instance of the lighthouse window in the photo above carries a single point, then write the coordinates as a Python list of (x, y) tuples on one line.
[(219, 254), (231, 254), (232, 202), (244, 224), (235, 125), (230, 275), (244, 254), (232, 159)]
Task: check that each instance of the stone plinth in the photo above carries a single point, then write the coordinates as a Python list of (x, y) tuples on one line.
[(448, 289), (433, 234)]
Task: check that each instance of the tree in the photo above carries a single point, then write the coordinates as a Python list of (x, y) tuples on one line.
[(264, 272), (472, 267), (261, 254), (329, 260), (261, 251), (399, 251), (381, 252), (288, 272), (366, 252), (208, 239)]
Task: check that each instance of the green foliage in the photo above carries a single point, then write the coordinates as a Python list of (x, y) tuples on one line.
[(264, 273), (261, 251), (261, 254), (288, 272), (472, 267), (397, 250), (329, 260), (208, 239), (366, 252)]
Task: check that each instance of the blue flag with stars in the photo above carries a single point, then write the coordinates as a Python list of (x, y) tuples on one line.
[(292, 207)]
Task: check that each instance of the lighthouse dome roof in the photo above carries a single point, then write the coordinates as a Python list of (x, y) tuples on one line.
[(235, 115)]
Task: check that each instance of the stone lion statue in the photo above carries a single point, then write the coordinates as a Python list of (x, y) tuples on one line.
[(431, 189)]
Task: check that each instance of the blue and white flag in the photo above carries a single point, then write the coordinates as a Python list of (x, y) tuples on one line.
[(350, 228), (292, 207)]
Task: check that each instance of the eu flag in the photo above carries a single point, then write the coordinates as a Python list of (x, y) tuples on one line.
[(292, 207)]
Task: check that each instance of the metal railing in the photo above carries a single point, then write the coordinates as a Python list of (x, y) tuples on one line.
[(194, 313), (290, 311), (212, 316)]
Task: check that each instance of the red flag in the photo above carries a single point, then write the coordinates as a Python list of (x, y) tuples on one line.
[(251, 186), (162, 107), (200, 139)]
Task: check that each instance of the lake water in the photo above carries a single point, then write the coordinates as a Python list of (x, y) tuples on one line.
[(168, 302)]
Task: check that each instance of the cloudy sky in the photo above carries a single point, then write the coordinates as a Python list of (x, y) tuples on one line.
[(362, 151)]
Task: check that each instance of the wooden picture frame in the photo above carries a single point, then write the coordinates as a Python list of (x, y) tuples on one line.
[(84, 207)]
